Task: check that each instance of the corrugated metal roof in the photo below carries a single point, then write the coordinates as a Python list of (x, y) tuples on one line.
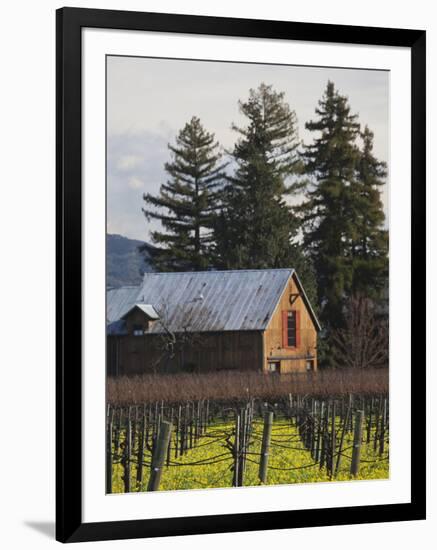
[(205, 301), (119, 301), (148, 309)]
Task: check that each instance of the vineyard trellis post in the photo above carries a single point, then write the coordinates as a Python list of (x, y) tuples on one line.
[(333, 440), (178, 431), (343, 434), (265, 447), (127, 454), (159, 455), (169, 449), (377, 417), (318, 426), (382, 429), (236, 452), (109, 451), (242, 446), (140, 455), (118, 429), (369, 421), (323, 434), (356, 451)]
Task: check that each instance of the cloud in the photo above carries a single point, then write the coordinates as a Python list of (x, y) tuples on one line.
[(135, 183), (150, 100), (135, 165), (127, 162)]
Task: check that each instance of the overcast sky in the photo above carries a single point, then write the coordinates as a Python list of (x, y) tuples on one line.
[(150, 100)]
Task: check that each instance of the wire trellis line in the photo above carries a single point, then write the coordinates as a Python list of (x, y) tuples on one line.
[(337, 435)]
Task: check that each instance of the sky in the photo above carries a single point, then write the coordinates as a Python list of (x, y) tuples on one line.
[(150, 100)]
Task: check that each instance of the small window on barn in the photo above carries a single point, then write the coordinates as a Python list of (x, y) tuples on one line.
[(290, 329), (274, 366), (138, 330), (310, 365)]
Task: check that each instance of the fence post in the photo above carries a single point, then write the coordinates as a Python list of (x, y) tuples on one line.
[(383, 428), (369, 420), (236, 451), (242, 447), (118, 428), (140, 456), (356, 451), (313, 430), (127, 454), (191, 425), (159, 455), (343, 434), (351, 406), (376, 432), (186, 424), (178, 431), (170, 442), (109, 453), (324, 438), (264, 459), (318, 434), (333, 439)]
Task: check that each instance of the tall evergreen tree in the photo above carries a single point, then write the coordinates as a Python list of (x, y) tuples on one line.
[(188, 201), (256, 226), (370, 245), (343, 214), (331, 162)]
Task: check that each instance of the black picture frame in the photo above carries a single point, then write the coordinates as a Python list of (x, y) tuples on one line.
[(69, 23)]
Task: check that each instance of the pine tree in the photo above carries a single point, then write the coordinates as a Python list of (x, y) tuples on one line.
[(256, 226), (329, 212), (343, 214), (370, 245), (188, 201)]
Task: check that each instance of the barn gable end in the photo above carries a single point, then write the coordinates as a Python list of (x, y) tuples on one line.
[(301, 354)]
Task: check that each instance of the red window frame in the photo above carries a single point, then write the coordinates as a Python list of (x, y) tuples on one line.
[(285, 316)]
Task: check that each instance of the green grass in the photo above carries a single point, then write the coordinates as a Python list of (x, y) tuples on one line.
[(287, 451)]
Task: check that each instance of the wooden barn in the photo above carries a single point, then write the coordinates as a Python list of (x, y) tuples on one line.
[(214, 320)]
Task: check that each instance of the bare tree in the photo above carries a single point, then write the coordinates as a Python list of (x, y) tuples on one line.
[(363, 342), (172, 343)]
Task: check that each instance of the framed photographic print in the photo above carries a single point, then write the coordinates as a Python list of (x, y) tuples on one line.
[(240, 274)]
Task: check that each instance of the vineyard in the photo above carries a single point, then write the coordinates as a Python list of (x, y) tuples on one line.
[(221, 443)]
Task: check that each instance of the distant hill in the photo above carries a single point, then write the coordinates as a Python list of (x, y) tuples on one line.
[(125, 265)]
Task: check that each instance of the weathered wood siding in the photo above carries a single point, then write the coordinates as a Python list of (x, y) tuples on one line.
[(136, 318), (291, 359), (211, 351)]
